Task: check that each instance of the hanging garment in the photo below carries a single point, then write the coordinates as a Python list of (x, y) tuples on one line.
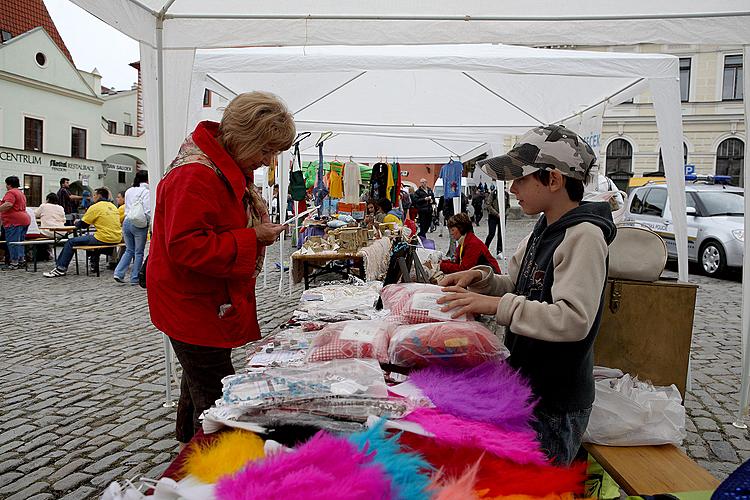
[(335, 184), (451, 174), (320, 191), (379, 181), (297, 189), (395, 192), (352, 180), (272, 170), (389, 184)]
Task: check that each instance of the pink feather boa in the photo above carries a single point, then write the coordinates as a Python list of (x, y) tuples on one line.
[(521, 447), (492, 392), (324, 468)]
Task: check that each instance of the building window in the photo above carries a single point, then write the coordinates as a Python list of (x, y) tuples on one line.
[(111, 127), (206, 98), (732, 89), (620, 162), (684, 157), (730, 156), (78, 143), (32, 134), (41, 59), (685, 79), (5, 36), (128, 129), (32, 188), (121, 177)]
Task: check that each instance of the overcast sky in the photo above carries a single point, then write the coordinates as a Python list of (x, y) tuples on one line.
[(94, 44)]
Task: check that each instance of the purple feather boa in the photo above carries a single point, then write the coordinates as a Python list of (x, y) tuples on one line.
[(492, 392)]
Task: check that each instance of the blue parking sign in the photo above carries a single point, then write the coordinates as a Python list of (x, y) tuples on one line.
[(689, 169)]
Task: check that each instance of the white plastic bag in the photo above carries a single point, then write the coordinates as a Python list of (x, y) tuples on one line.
[(628, 412)]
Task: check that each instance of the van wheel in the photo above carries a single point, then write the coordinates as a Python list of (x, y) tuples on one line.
[(713, 259)]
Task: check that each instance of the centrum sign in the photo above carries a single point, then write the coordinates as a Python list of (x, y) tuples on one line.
[(55, 163)]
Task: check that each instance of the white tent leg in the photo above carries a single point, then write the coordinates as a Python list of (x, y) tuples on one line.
[(745, 380), (500, 189), (666, 92), (168, 403)]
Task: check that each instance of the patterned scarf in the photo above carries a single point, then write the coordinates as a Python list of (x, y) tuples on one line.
[(255, 207)]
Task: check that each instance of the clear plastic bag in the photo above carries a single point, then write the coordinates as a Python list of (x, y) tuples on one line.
[(341, 377), (628, 412), (352, 339), (415, 303), (449, 343)]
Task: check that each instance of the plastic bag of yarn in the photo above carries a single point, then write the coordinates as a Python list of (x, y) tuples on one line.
[(414, 303), (351, 339), (448, 343)]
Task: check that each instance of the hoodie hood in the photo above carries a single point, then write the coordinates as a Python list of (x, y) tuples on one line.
[(597, 213)]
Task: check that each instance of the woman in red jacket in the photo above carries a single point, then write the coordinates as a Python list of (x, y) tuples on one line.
[(470, 250), (210, 230)]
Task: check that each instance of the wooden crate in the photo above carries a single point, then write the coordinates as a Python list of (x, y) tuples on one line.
[(646, 330)]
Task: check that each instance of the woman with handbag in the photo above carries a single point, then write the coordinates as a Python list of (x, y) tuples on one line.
[(210, 232), (135, 228)]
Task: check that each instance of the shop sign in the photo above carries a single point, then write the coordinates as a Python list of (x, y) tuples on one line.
[(56, 163), (116, 167)]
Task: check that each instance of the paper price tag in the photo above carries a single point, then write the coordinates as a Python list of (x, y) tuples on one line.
[(358, 333), (428, 302)]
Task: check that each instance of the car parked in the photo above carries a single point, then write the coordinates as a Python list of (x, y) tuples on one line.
[(715, 222)]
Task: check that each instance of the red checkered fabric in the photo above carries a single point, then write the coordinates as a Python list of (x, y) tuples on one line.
[(352, 339), (399, 298)]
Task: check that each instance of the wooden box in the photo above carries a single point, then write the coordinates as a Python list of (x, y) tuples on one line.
[(646, 330)]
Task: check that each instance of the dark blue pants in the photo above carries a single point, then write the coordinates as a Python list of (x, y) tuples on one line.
[(560, 433)]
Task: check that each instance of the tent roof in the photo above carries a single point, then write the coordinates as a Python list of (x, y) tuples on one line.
[(474, 93), (373, 148), (232, 23)]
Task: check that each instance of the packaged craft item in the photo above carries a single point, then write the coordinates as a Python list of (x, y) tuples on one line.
[(352, 339), (448, 343), (341, 377), (413, 303)]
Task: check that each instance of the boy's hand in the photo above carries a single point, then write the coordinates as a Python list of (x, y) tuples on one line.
[(459, 302), (462, 278)]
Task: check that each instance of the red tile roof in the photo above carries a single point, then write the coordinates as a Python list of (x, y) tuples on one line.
[(20, 16)]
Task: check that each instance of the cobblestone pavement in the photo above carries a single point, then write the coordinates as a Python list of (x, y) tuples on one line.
[(82, 383)]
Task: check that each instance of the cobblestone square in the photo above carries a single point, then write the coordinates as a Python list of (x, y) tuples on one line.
[(82, 378)]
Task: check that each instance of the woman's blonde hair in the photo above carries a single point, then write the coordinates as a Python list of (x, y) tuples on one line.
[(254, 121)]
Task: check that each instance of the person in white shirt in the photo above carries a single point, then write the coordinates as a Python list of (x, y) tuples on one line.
[(51, 214), (134, 236)]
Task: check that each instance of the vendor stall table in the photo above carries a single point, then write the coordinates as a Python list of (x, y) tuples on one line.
[(317, 264), (371, 262)]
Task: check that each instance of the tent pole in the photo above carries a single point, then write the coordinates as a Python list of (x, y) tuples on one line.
[(160, 158), (742, 412)]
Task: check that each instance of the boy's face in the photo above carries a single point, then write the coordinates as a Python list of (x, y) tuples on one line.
[(531, 194)]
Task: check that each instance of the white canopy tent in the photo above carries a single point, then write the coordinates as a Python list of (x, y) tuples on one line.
[(170, 30), (442, 95)]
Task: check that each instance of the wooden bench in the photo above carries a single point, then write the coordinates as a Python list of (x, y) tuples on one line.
[(93, 248), (649, 470), (33, 244)]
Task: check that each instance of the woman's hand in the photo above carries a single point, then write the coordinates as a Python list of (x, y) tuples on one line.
[(459, 301), (462, 278), (267, 233)]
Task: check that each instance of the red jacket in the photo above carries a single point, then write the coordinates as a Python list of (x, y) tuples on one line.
[(472, 253), (202, 254)]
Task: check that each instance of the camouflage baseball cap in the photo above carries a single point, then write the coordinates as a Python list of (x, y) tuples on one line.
[(551, 147)]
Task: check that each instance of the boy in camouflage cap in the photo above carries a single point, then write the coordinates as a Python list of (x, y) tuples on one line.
[(551, 299)]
